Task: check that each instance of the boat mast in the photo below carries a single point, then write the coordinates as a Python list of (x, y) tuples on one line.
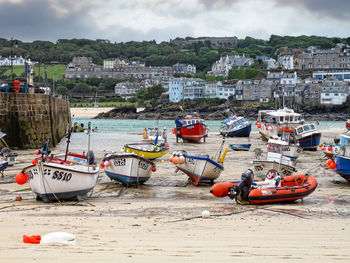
[(88, 152), (69, 132)]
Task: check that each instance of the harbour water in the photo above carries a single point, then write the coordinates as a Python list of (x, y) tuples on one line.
[(114, 133)]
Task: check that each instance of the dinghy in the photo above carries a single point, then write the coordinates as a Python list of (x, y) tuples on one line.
[(292, 188)]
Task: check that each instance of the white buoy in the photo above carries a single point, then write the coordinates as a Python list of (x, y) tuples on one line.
[(59, 238), (205, 214)]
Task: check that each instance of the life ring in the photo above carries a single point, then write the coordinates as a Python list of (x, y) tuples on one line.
[(336, 149)]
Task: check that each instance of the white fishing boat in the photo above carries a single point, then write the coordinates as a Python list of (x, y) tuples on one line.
[(275, 159), (287, 149), (61, 177), (271, 123), (199, 168), (128, 168)]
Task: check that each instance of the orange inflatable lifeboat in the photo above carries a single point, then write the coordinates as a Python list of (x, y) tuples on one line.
[(292, 188)]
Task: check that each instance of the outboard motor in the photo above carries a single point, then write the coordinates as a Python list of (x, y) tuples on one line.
[(240, 191), (90, 157)]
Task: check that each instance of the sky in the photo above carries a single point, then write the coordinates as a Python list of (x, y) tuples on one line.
[(162, 20)]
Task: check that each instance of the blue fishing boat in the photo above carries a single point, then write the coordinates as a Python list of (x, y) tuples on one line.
[(307, 136), (342, 157), (3, 165), (235, 127), (240, 147)]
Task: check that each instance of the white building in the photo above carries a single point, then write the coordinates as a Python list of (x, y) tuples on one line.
[(16, 61), (286, 62), (222, 66)]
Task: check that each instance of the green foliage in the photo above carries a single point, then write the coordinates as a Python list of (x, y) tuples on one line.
[(242, 73), (151, 94)]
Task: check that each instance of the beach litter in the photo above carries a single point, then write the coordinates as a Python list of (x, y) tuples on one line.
[(205, 214), (51, 238)]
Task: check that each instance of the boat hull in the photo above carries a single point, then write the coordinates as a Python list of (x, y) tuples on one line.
[(129, 169), (54, 181), (194, 132), (310, 142), (200, 169), (343, 167), (243, 132), (240, 147)]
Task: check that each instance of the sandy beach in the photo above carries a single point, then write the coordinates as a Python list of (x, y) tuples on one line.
[(84, 112), (161, 220)]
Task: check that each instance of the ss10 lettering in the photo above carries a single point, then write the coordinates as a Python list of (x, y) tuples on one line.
[(61, 176)]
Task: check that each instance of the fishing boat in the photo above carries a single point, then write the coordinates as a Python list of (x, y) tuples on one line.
[(148, 150), (199, 168), (6, 154), (275, 160), (128, 168), (61, 177), (78, 127), (3, 165), (240, 147), (285, 147), (307, 136), (150, 135), (270, 122), (342, 157), (328, 151), (347, 125), (292, 188), (191, 128), (235, 126)]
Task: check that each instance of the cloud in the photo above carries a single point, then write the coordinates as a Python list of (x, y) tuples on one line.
[(45, 20), (337, 9)]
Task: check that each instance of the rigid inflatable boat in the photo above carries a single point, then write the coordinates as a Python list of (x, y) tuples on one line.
[(292, 188)]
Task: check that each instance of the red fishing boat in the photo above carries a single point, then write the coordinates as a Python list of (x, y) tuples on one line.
[(191, 128), (347, 125)]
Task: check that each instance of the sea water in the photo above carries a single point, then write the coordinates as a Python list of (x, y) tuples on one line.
[(113, 134)]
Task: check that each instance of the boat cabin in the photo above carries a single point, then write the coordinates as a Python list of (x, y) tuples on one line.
[(280, 116), (306, 128), (345, 140)]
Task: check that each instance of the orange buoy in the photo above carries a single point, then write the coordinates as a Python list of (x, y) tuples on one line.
[(171, 158), (330, 148), (323, 148), (102, 164), (37, 152), (182, 159), (154, 169), (259, 125), (21, 178), (329, 162), (333, 165), (18, 198), (173, 131), (35, 161)]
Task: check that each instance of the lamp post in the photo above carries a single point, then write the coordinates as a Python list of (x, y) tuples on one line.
[(13, 43)]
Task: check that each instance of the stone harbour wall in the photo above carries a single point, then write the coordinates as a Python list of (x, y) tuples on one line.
[(29, 120)]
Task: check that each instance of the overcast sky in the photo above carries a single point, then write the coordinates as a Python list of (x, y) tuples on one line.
[(162, 20)]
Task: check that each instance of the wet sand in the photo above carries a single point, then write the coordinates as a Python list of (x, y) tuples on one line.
[(88, 112), (161, 220)]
